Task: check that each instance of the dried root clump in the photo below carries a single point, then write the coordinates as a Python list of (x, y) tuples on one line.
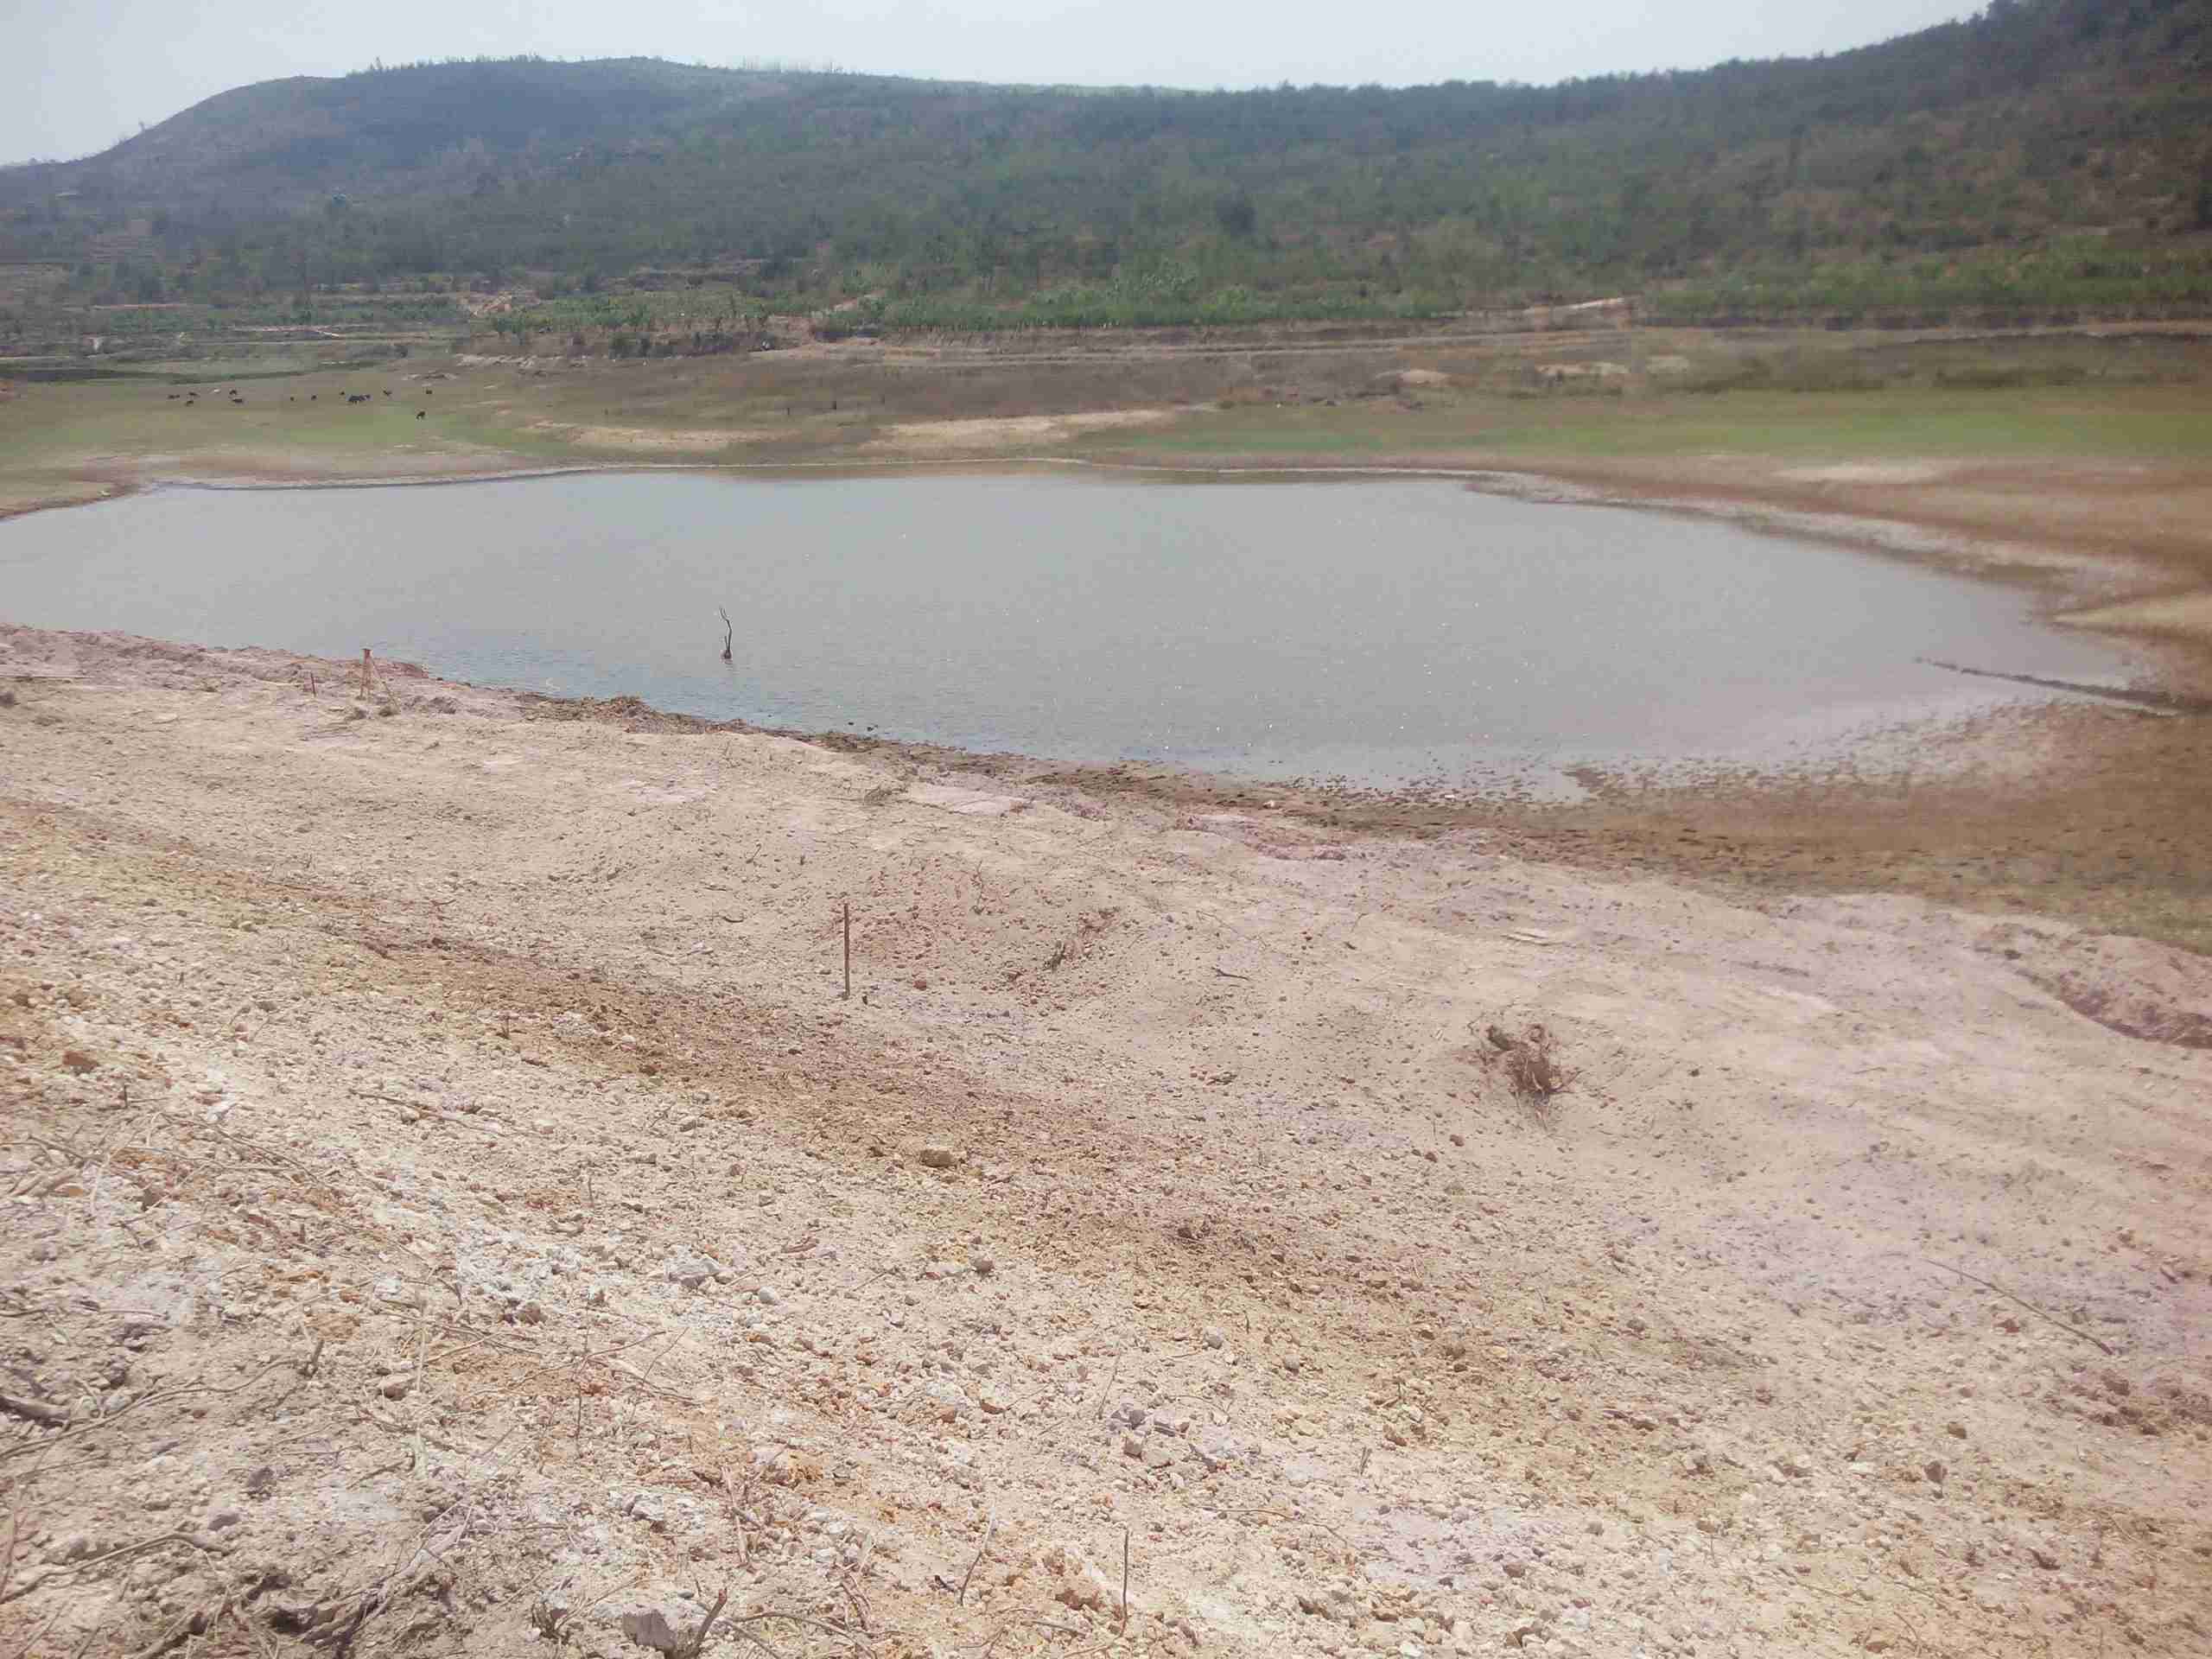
[(1529, 1061)]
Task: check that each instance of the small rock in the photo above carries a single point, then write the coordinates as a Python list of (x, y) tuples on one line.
[(949, 1398), (395, 1388), (531, 1314), (1935, 1470), (983, 1265), (1212, 1336), (224, 1519), (767, 1297), (1956, 1430), (937, 1156), (79, 1062), (1517, 1569), (1132, 1446), (2043, 1558)]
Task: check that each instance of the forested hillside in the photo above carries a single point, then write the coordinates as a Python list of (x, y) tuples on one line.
[(2047, 154)]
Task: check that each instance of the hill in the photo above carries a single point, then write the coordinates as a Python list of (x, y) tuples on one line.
[(2048, 153)]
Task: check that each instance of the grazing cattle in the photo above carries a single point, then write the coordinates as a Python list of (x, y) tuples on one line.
[(422, 414), (313, 396), (387, 391)]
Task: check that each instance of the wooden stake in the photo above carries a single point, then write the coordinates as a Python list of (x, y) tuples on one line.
[(1125, 1578), (849, 951)]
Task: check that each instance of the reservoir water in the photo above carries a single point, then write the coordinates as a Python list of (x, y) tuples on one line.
[(1383, 631)]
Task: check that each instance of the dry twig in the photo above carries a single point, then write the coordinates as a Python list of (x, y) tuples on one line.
[(144, 1399), (2074, 1330), (960, 1599)]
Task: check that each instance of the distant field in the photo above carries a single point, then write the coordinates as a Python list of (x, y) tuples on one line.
[(1631, 395)]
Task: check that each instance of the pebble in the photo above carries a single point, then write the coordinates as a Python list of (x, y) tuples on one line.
[(395, 1388), (1213, 1338), (937, 1156)]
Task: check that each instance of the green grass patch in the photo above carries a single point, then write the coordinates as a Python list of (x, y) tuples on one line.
[(2151, 422)]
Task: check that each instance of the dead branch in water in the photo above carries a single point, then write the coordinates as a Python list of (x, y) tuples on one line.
[(728, 632)]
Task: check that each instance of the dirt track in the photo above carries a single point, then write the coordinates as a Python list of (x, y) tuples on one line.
[(445, 1183)]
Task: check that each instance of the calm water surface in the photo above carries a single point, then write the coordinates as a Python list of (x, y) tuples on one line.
[(1383, 631)]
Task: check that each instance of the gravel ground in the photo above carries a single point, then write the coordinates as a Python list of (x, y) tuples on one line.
[(451, 1209)]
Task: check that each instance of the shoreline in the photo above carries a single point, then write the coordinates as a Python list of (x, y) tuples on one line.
[(2078, 809)]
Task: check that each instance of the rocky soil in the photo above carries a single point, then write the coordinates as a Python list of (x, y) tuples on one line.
[(452, 1209)]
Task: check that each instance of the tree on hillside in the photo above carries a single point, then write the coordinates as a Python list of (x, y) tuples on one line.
[(1237, 214)]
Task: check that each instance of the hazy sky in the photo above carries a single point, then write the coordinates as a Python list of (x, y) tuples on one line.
[(75, 75)]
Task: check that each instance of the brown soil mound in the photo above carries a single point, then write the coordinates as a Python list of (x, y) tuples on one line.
[(2133, 985)]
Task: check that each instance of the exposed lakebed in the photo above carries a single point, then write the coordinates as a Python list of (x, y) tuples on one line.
[(1386, 632)]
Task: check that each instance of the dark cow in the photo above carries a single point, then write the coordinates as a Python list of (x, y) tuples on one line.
[(422, 414)]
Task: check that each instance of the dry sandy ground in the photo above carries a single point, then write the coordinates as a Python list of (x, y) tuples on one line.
[(447, 1199), (926, 437)]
